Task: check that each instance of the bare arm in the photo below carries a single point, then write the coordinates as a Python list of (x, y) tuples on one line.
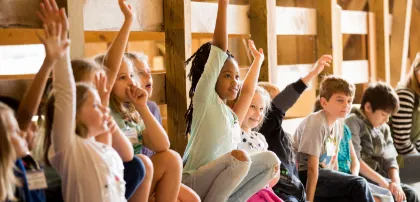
[(313, 163), (120, 142), (154, 135), (317, 69), (220, 36), (355, 164), (368, 172), (250, 83), (117, 49)]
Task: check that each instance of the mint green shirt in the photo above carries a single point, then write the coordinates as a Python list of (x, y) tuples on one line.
[(127, 126), (215, 129)]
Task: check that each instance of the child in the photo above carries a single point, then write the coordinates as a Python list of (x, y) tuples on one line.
[(289, 187), (316, 141), (254, 142), (406, 127), (373, 142), (143, 72), (215, 168), (348, 163)]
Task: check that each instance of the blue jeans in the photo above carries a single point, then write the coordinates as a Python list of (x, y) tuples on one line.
[(228, 179), (134, 173), (337, 186)]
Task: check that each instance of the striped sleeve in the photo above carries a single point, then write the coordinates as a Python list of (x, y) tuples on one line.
[(402, 122)]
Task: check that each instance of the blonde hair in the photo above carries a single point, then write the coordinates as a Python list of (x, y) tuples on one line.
[(83, 67), (82, 93), (137, 57), (412, 82), (334, 84), (7, 155), (269, 87)]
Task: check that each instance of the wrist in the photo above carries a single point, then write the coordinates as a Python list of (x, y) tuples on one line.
[(49, 62), (141, 108)]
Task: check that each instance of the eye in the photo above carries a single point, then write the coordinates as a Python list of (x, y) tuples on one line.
[(253, 106), (261, 109), (121, 78), (227, 76), (340, 100), (131, 75), (237, 77)]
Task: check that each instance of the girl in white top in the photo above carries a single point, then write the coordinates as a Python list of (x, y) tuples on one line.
[(90, 171)]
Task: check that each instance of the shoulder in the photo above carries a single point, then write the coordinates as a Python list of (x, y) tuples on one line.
[(405, 93)]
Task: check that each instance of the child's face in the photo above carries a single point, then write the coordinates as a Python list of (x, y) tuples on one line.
[(255, 115), (143, 72), (93, 115), (377, 117), (338, 105), (227, 85), (125, 79)]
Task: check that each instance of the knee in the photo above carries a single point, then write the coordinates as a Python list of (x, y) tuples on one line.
[(148, 165), (172, 158), (241, 155), (271, 159), (360, 182)]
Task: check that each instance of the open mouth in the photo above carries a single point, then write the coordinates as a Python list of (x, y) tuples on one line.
[(149, 85)]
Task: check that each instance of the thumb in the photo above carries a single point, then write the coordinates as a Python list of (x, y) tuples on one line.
[(66, 44)]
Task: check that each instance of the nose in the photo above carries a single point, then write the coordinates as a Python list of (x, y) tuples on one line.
[(131, 81), (147, 75)]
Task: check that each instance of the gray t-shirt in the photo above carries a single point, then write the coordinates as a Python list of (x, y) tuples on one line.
[(314, 137)]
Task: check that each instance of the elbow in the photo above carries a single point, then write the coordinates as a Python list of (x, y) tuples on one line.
[(128, 156), (163, 147)]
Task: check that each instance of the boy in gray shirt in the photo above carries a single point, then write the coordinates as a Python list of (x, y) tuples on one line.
[(317, 141)]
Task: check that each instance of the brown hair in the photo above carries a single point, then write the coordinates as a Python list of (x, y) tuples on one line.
[(334, 84), (82, 93), (380, 96), (83, 67), (412, 82), (7, 154)]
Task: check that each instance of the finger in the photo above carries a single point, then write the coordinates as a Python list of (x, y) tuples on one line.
[(129, 6), (328, 56), (48, 7), (261, 51), (43, 10), (58, 31), (66, 44), (46, 31), (53, 29), (40, 16), (54, 5), (65, 23)]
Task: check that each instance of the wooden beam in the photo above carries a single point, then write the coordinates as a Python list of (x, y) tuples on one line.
[(380, 8), (329, 38), (177, 18), (414, 33), (356, 71), (296, 21), (400, 39), (159, 86), (263, 21), (354, 5), (76, 30), (354, 22), (372, 47)]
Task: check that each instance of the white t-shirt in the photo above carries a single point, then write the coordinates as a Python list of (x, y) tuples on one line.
[(90, 171), (253, 142)]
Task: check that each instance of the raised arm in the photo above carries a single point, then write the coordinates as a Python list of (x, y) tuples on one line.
[(317, 69), (117, 49), (48, 13), (63, 127), (250, 83), (154, 135), (220, 36)]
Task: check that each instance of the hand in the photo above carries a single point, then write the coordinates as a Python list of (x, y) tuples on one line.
[(101, 86), (397, 191), (256, 54), (55, 47), (20, 146), (137, 96), (126, 9), (50, 13), (321, 63), (112, 125)]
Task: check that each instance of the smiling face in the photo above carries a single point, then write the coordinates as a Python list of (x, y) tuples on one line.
[(227, 85), (255, 114)]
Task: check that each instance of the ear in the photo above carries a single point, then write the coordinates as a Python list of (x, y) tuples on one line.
[(368, 107), (323, 102)]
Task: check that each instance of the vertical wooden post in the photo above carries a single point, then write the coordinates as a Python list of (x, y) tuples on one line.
[(329, 36), (381, 10), (400, 39), (354, 5), (263, 32), (414, 34), (177, 20), (372, 47), (77, 30)]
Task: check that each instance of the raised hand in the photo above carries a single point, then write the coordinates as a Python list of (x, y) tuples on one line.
[(101, 86), (126, 9), (55, 46), (137, 96), (50, 13), (257, 54), (323, 61)]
